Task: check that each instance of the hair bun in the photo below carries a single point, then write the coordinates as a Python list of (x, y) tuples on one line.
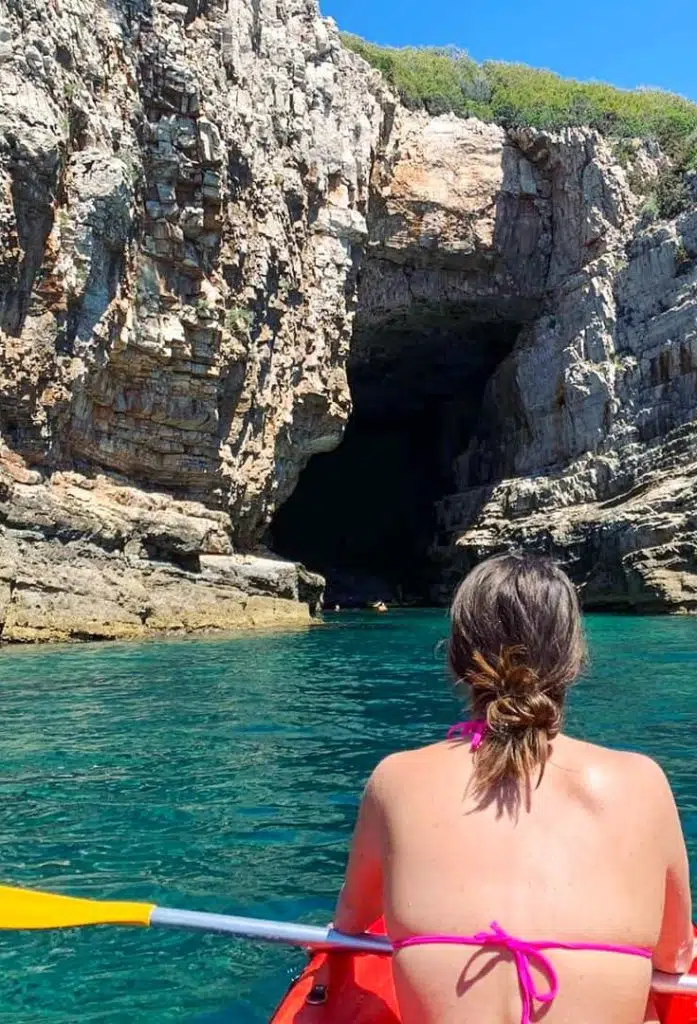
[(513, 713), (518, 699)]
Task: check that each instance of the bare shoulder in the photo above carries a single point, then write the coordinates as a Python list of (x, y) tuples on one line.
[(394, 771), (620, 774)]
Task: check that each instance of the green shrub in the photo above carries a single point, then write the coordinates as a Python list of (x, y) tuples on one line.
[(437, 79), (63, 219), (638, 182), (649, 211), (239, 320), (517, 95), (672, 193), (623, 151)]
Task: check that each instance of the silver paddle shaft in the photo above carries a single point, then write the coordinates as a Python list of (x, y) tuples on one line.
[(306, 935), (674, 984), (313, 937)]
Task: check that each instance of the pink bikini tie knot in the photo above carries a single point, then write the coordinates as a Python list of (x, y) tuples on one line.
[(524, 954), (476, 729)]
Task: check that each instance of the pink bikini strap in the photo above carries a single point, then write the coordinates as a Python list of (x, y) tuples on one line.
[(525, 954), (476, 729)]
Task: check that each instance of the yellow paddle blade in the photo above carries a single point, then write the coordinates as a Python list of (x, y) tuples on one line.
[(21, 908)]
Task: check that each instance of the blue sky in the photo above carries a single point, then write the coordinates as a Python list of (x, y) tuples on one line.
[(625, 42)]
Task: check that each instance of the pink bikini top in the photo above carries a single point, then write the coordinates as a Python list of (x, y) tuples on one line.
[(524, 953)]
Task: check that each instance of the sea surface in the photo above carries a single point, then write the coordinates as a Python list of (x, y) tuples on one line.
[(223, 774)]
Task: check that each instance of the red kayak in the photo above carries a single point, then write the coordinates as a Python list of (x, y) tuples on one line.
[(678, 1009), (347, 988)]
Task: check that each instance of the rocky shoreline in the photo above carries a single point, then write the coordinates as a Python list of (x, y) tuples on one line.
[(83, 558)]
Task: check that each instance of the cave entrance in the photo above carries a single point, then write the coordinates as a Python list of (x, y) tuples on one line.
[(364, 514)]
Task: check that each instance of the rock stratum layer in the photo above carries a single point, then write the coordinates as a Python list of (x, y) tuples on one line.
[(207, 208)]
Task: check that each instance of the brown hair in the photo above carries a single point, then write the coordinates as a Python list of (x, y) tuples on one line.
[(517, 641)]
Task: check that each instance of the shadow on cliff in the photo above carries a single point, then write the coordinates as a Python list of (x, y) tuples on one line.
[(33, 199)]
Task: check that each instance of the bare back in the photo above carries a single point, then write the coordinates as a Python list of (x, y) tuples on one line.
[(596, 856)]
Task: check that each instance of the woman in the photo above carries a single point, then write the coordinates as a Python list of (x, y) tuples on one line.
[(509, 820)]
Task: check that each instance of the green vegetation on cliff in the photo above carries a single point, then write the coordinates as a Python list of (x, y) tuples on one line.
[(447, 79)]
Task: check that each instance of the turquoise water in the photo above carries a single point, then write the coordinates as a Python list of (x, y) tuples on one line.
[(223, 774)]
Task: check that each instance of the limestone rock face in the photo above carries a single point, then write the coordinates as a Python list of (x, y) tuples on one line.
[(183, 190), (459, 216), (585, 445), (184, 193)]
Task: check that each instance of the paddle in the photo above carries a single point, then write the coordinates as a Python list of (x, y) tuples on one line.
[(24, 909)]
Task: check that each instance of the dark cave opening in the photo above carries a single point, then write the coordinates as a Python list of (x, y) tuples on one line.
[(364, 514)]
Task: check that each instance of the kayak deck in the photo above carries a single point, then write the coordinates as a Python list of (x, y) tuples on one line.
[(353, 989), (350, 988)]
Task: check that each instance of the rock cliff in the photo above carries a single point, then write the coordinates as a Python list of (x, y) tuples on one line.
[(210, 214), (183, 188), (585, 441)]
